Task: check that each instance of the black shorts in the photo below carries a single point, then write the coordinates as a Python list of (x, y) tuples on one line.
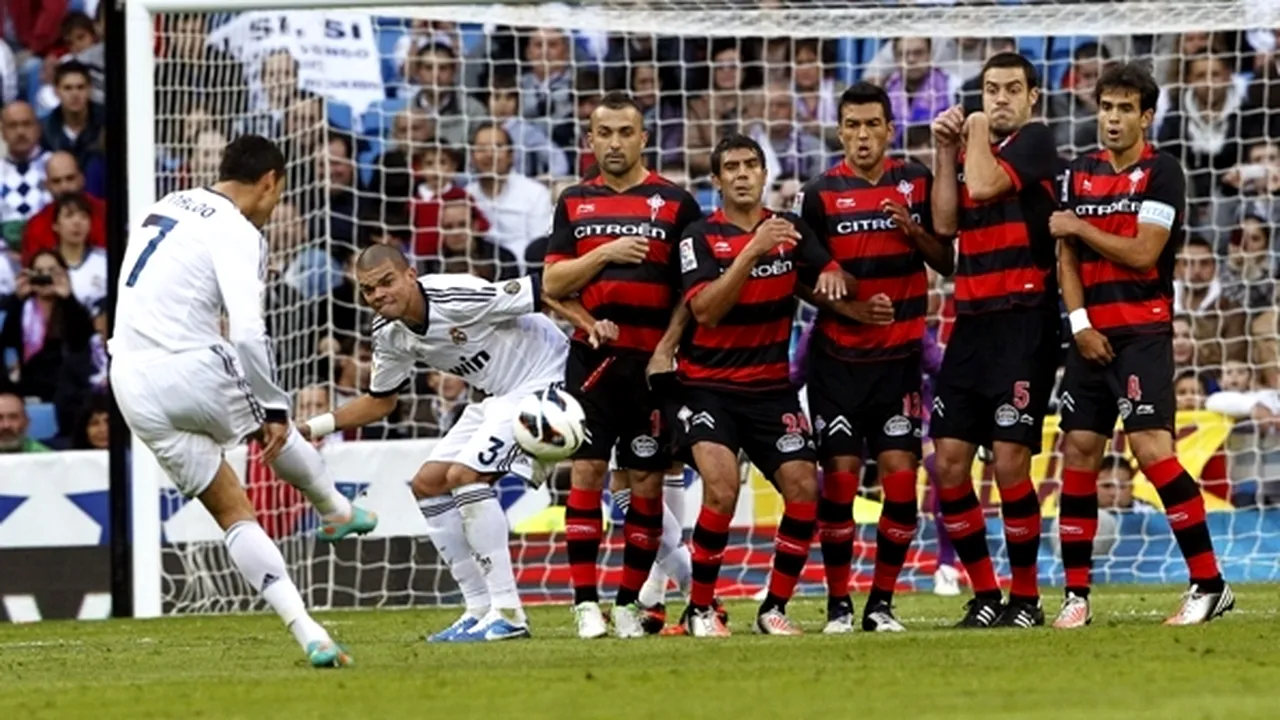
[(876, 404), (1137, 387), (768, 426), (996, 377), (619, 408)]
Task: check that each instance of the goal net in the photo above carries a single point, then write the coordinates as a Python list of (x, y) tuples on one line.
[(378, 110)]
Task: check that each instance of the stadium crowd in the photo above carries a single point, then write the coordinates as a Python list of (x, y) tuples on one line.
[(477, 133)]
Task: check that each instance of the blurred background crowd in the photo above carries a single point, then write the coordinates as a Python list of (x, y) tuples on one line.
[(454, 141)]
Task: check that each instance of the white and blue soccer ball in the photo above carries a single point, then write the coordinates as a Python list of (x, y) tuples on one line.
[(550, 424)]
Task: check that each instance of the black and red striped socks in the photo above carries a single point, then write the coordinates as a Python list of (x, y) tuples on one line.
[(894, 533), (790, 552), (965, 525), (1077, 527), (1020, 508), (706, 552), (582, 529), (642, 531), (835, 532), (1183, 505)]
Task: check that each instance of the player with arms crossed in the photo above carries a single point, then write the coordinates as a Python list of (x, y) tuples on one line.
[(740, 278), (995, 194), (1123, 204), (187, 393), (492, 336), (872, 214), (613, 245)]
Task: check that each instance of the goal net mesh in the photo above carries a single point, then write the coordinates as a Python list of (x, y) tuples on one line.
[(377, 110)]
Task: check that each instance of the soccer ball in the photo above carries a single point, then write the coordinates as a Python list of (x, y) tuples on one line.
[(549, 424)]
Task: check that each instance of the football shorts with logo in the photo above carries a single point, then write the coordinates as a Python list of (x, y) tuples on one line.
[(997, 374), (1136, 387), (612, 389), (768, 426), (875, 405)]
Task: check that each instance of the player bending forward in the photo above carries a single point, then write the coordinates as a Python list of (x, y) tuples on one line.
[(1123, 203), (739, 272), (187, 393), (872, 214), (492, 336)]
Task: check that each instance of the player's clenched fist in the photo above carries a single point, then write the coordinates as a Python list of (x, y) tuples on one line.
[(629, 250), (1094, 346), (772, 233), (602, 333), (948, 125), (1064, 224), (878, 310)]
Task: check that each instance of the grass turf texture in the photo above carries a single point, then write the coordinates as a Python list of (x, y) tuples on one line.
[(1125, 666)]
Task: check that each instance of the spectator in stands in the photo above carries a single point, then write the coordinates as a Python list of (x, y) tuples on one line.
[(86, 264), (191, 74), (799, 154), (1264, 91), (917, 90), (62, 177), (438, 172), (309, 267), (435, 72), (22, 171), (1197, 293), (13, 426), (1249, 283), (393, 182), (84, 373), (587, 91), (1184, 344), (816, 90), (10, 80), (546, 83), (1236, 377), (335, 201), (713, 103), (1203, 129), (446, 397), (1073, 112), (1190, 390), (662, 118), (43, 325), (36, 24), (204, 158), (278, 76), (534, 152), (93, 426), (518, 208), (920, 145), (1115, 488), (84, 45), (304, 137), (1252, 188), (463, 248), (421, 32), (971, 89), (8, 283)]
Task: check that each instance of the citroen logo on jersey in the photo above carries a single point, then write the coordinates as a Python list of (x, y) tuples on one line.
[(1123, 205), (473, 364), (839, 424), (778, 267), (457, 336), (620, 230), (655, 203), (878, 224)]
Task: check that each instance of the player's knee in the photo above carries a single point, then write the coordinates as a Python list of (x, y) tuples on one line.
[(798, 481), (431, 480), (1151, 446), (645, 484), (952, 468), (720, 492), (589, 474), (893, 461), (842, 463), (1082, 450), (1012, 463)]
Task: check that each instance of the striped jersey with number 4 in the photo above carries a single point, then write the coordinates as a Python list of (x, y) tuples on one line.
[(489, 334)]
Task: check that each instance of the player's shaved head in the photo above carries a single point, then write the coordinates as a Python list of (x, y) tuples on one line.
[(374, 256)]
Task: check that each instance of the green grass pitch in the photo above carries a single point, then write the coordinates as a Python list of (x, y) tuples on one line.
[(1125, 666)]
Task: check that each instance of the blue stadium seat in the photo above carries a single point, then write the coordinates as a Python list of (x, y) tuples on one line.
[(341, 115), (376, 121), (388, 36), (44, 421), (1060, 52)]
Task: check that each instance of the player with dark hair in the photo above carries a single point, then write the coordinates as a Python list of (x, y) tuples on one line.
[(612, 246), (1123, 204), (993, 189), (187, 392), (740, 275), (872, 214)]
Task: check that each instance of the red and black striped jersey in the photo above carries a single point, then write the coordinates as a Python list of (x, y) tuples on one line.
[(1006, 254), (844, 212), (638, 298), (749, 349), (1120, 299)]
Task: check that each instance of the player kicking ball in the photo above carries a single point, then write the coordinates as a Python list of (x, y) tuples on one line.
[(739, 274), (493, 336), (1123, 203), (187, 393)]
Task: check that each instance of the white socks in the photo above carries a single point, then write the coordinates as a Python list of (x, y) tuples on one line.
[(673, 561), (259, 561), (485, 524), (300, 465), (444, 527)]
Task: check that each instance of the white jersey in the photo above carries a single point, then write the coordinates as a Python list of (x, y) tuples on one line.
[(489, 334), (193, 255)]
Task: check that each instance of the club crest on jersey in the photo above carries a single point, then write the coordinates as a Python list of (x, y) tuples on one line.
[(656, 203), (457, 336), (512, 287), (1135, 178), (906, 190)]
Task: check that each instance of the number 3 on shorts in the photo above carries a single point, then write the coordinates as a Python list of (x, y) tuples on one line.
[(488, 456), (166, 225)]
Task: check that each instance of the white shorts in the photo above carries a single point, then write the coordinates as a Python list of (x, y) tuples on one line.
[(187, 408), (484, 437)]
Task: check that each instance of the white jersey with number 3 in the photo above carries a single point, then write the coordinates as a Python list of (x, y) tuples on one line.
[(489, 334)]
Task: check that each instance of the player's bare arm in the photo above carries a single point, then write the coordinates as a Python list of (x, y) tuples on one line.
[(876, 310), (362, 411), (710, 304), (944, 200), (1092, 344), (983, 175), (1138, 253), (565, 277), (938, 254), (599, 332)]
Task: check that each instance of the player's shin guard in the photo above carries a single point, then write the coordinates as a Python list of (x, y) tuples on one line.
[(1077, 527), (965, 525), (300, 465), (894, 533), (1184, 507), (710, 536), (582, 529), (835, 531), (259, 561), (444, 527), (643, 534), (486, 526), (790, 552), (1020, 507)]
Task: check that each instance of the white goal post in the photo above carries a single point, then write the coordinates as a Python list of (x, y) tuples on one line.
[(711, 19)]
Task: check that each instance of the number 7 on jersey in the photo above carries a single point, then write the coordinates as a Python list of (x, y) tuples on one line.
[(166, 225)]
